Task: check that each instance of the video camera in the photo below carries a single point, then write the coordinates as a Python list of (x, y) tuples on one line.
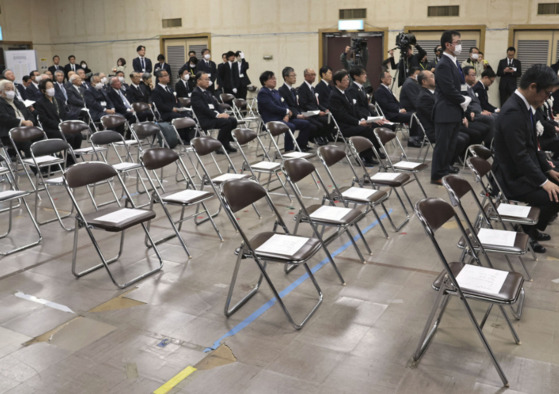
[(358, 44), (404, 41)]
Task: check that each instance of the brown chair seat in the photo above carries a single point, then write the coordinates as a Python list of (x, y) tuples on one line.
[(96, 218), (304, 253)]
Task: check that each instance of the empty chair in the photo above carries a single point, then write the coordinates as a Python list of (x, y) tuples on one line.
[(118, 122), (266, 247), (277, 129), (114, 219), (76, 127), (146, 133), (21, 138), (463, 280), (425, 142)]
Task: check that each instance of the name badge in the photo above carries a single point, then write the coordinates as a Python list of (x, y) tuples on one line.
[(209, 75), (242, 75), (464, 88), (211, 106), (103, 103)]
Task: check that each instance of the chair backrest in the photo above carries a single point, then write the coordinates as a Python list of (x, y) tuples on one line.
[(457, 187), (244, 136), (331, 154), (87, 173), (240, 103), (480, 151), (73, 126), (140, 106), (156, 158), (205, 145), (385, 135), (48, 147), (479, 166), (145, 129), (433, 213), (226, 97), (183, 123), (26, 134), (298, 169), (105, 137), (361, 143), (240, 193), (111, 122), (185, 101), (277, 128)]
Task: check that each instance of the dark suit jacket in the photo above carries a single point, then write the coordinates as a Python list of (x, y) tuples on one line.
[(208, 67), (117, 101), (53, 69), (424, 104), (164, 101), (361, 101), (387, 101), (447, 93), (21, 90), (97, 101), (408, 94), (508, 80), (137, 94), (202, 103), (290, 97), (270, 105), (59, 94), (182, 89), (8, 118), (519, 166), (244, 80), (75, 101), (323, 89), (307, 99), (229, 76), (68, 68), (343, 110), (165, 67), (481, 92), (33, 93), (137, 65), (50, 114)]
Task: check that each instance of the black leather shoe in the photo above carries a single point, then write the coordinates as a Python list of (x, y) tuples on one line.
[(306, 149), (413, 143), (543, 236), (230, 149), (454, 170), (369, 162), (536, 247), (382, 155), (321, 141), (438, 182)]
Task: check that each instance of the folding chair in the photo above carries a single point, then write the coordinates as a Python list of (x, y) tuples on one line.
[(110, 219), (276, 129), (340, 219), (462, 280), (9, 196), (25, 136), (264, 247), (517, 244), (242, 137), (76, 127), (243, 115), (227, 102), (384, 136), (158, 158), (371, 198), (394, 180), (146, 133), (425, 141), (478, 150), (115, 122), (141, 107)]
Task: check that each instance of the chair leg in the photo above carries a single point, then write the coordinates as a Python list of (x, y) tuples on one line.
[(405, 221), (517, 312), (355, 246), (35, 226), (379, 221)]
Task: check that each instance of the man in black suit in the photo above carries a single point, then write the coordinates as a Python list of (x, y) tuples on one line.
[(308, 101), (410, 90), (141, 63), (13, 114), (182, 86), (229, 76), (136, 94), (121, 104), (519, 165), (161, 65), (164, 99), (481, 88), (85, 84), (59, 88), (32, 91), (244, 80), (208, 66), (393, 110), (407, 60), (97, 100), (209, 113), (450, 105), (219, 72), (71, 66), (76, 100), (479, 120), (56, 65), (324, 87), (509, 70), (346, 116)]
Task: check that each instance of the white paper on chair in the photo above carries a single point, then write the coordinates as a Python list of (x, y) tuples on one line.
[(481, 279), (373, 119), (186, 195), (296, 155), (266, 165), (385, 176), (310, 113), (330, 213), (408, 165), (488, 236), (121, 215), (519, 211), (44, 159), (226, 177), (359, 193), (282, 244)]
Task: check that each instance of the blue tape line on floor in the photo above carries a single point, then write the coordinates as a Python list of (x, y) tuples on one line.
[(288, 289)]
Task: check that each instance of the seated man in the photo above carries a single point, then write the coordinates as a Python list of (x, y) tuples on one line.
[(135, 94), (480, 122), (424, 104), (32, 92), (209, 112), (392, 109), (324, 87), (346, 115), (481, 88), (13, 114), (59, 88), (181, 87), (97, 100), (20, 89), (309, 101), (81, 73), (121, 104), (272, 107), (410, 90), (75, 92), (520, 167), (123, 85)]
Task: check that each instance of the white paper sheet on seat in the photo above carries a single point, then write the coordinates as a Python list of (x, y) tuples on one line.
[(125, 166), (185, 195), (296, 155), (519, 211), (407, 165), (330, 213), (266, 165), (488, 236), (359, 193), (385, 176), (43, 159), (226, 177), (481, 279), (7, 194), (121, 215), (282, 244)]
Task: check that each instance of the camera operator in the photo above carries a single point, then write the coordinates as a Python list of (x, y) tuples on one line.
[(356, 55), (405, 43)]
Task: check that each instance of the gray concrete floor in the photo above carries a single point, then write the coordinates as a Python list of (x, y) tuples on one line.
[(359, 341)]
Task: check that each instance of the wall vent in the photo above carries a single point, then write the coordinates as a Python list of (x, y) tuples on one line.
[(443, 10), (548, 9), (173, 22), (353, 13)]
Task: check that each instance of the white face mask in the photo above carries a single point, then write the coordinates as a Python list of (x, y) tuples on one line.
[(38, 78), (99, 85), (50, 92), (475, 56), (192, 65), (186, 77), (207, 56), (10, 94), (210, 83), (104, 80), (457, 49), (84, 65), (121, 79)]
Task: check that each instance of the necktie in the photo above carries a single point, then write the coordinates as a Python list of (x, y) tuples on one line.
[(462, 80), (143, 64), (73, 67), (124, 101), (63, 91)]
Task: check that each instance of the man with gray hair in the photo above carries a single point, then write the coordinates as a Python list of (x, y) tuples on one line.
[(75, 94), (121, 103), (12, 113), (59, 88), (21, 94), (97, 100)]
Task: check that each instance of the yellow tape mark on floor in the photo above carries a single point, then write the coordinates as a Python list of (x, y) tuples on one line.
[(175, 380)]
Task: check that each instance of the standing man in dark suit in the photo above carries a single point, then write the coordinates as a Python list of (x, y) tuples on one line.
[(208, 66), (520, 166), (56, 66), (244, 80), (272, 107), (450, 105), (161, 65), (229, 76), (324, 87), (509, 70), (141, 63), (209, 113), (71, 66)]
